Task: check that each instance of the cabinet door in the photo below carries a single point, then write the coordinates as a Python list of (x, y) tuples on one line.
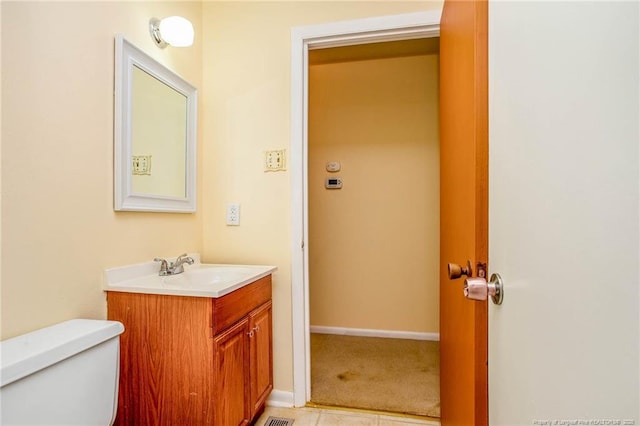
[(261, 343), (166, 354), (231, 376)]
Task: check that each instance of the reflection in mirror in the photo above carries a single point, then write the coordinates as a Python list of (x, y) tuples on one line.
[(155, 135), (158, 136)]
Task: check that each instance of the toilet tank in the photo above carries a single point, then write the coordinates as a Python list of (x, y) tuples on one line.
[(66, 374)]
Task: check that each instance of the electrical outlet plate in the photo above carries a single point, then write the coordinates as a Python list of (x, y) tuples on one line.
[(275, 160), (233, 214)]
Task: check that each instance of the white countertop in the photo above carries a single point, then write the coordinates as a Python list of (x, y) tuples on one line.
[(198, 280)]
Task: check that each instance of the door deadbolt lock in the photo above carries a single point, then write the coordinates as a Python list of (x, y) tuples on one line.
[(479, 289), (455, 271)]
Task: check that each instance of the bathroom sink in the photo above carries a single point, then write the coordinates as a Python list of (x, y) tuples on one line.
[(199, 279)]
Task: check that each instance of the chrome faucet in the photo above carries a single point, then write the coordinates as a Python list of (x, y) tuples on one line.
[(173, 268)]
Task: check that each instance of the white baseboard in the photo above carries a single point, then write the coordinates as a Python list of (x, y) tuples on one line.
[(279, 398), (365, 332)]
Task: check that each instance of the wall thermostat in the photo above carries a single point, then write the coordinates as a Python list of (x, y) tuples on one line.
[(333, 166), (333, 183)]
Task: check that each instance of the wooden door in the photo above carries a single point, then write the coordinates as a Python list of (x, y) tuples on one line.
[(261, 356), (463, 209), (231, 372)]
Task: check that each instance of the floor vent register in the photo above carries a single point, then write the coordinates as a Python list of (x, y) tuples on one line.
[(278, 421)]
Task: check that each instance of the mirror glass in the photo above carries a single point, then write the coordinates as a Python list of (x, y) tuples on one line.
[(154, 135)]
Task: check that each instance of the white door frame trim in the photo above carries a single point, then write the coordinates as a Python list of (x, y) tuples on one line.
[(334, 34)]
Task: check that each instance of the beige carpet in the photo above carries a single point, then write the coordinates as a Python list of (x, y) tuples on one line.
[(396, 375)]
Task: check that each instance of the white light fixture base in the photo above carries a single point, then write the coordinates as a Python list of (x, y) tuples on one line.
[(154, 30)]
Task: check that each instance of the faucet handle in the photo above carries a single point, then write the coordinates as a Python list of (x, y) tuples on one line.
[(181, 256), (164, 267)]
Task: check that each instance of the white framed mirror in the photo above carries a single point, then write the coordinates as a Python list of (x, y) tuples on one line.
[(154, 135)]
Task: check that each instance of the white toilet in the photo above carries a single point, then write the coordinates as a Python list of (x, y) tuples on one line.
[(66, 374)]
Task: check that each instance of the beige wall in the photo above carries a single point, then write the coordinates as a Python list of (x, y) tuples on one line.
[(246, 63), (374, 244), (59, 230)]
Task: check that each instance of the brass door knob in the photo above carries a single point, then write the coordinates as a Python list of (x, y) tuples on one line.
[(455, 271)]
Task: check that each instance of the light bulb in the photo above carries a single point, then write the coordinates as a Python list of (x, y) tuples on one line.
[(173, 30)]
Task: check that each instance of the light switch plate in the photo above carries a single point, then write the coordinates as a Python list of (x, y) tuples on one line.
[(141, 164), (275, 160)]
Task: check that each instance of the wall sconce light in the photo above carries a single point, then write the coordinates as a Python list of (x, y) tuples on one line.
[(173, 31)]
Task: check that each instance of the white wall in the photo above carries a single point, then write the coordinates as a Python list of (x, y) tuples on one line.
[(564, 108)]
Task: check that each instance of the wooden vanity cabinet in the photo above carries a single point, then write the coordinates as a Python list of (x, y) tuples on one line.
[(194, 360)]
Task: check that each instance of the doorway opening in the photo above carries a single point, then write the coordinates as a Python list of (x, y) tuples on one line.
[(371, 30), (374, 237)]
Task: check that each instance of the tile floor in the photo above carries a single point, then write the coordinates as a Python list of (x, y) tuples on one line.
[(309, 416)]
